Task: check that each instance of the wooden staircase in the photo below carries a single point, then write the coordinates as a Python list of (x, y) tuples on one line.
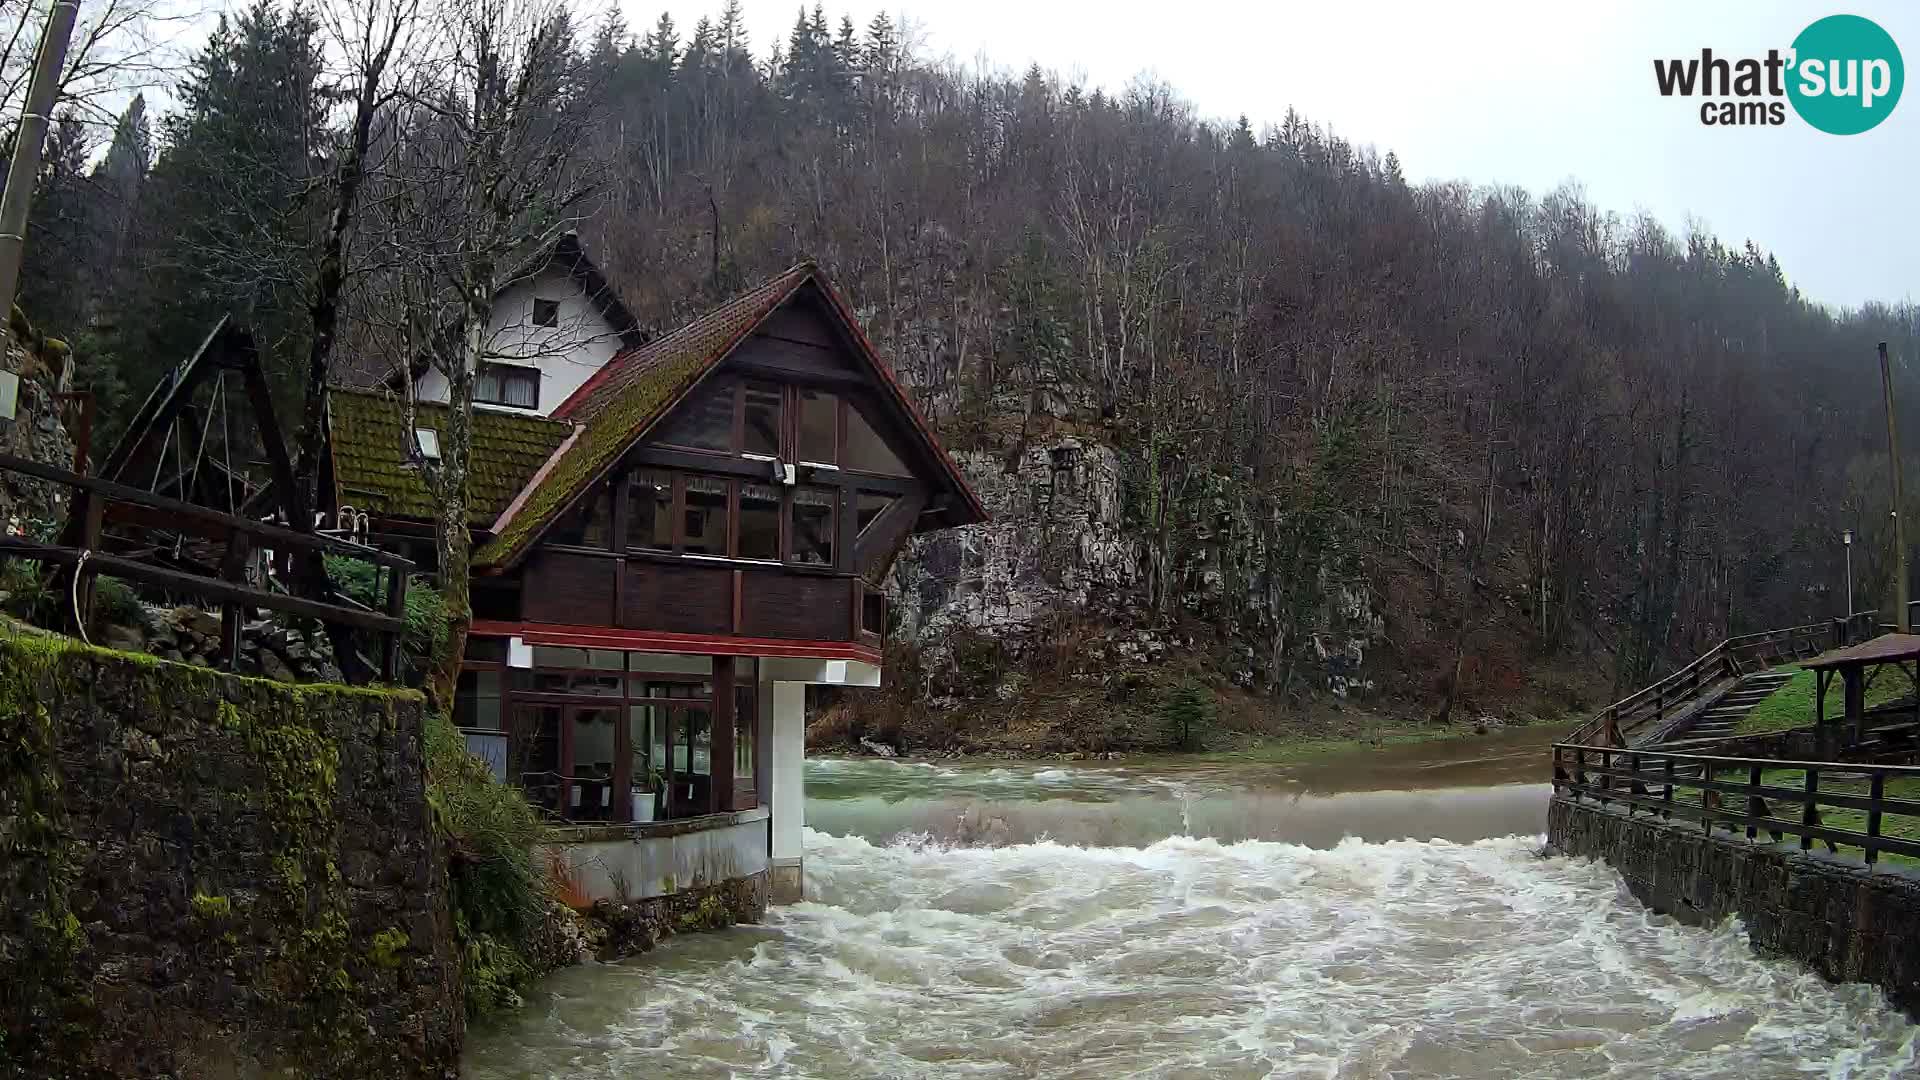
[(1721, 718), (1718, 680)]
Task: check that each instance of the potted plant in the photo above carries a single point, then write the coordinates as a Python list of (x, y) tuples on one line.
[(645, 800)]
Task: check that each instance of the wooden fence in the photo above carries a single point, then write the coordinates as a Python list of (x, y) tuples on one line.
[(1735, 656), (1766, 796), (94, 499)]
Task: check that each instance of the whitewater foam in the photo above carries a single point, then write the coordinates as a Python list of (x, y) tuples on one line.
[(1193, 957)]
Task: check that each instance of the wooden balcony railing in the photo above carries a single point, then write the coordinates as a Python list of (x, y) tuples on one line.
[(94, 499), (1875, 808)]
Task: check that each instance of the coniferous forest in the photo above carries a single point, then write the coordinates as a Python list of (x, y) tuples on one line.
[(1527, 429)]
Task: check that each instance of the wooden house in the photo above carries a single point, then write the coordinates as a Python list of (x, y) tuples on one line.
[(664, 561)]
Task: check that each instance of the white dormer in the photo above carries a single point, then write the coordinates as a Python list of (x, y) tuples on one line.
[(555, 325)]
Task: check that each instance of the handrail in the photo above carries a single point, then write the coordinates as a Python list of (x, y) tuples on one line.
[(91, 499), (1714, 663), (1624, 778)]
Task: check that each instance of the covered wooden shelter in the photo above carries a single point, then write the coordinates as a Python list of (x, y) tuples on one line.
[(1857, 667)]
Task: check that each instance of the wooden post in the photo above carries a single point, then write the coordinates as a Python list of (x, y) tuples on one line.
[(1753, 782), (1667, 796), (1875, 793), (1856, 690), (1809, 813), (233, 569), (390, 639), (89, 509), (1902, 618), (720, 767)]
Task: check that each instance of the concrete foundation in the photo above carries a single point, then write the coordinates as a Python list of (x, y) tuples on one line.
[(636, 862), (1846, 921), (787, 882)]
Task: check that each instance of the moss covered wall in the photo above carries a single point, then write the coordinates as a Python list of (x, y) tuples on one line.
[(209, 875)]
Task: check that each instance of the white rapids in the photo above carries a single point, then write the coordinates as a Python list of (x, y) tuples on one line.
[(1193, 958)]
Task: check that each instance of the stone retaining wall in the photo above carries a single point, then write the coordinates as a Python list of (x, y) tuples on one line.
[(207, 875), (1847, 922)]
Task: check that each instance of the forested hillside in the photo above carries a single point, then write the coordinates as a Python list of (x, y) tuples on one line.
[(1246, 403)]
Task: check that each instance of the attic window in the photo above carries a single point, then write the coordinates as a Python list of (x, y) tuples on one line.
[(429, 442), (546, 312)]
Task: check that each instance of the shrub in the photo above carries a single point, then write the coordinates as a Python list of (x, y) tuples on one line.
[(426, 633), (115, 603), (499, 891), (1186, 711)]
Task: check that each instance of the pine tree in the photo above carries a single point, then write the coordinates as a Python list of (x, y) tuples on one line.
[(234, 224), (59, 256)]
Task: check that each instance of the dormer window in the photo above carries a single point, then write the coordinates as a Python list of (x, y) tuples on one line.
[(507, 384), (546, 312)]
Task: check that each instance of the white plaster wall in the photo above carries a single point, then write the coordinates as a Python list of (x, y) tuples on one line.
[(661, 865), (788, 787), (567, 354)]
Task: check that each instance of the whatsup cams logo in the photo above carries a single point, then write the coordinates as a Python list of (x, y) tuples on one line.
[(1843, 75)]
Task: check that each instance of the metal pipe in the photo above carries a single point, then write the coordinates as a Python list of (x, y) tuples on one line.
[(34, 119)]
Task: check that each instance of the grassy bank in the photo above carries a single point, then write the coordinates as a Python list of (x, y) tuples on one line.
[(1295, 749), (1791, 706)]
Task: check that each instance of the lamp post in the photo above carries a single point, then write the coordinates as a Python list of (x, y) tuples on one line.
[(1846, 541)]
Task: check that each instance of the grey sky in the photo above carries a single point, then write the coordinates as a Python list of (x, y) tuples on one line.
[(1493, 92)]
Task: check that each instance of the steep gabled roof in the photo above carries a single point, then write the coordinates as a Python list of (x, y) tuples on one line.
[(368, 436), (639, 386), (566, 253)]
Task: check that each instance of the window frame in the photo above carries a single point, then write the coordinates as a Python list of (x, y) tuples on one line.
[(499, 370), (634, 678), (552, 308)]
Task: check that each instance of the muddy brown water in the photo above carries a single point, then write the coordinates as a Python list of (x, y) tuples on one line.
[(1384, 914)]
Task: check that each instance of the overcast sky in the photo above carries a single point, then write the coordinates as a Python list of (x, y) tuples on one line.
[(1492, 92)]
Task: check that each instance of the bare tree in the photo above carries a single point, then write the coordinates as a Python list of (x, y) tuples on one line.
[(116, 49), (487, 173)]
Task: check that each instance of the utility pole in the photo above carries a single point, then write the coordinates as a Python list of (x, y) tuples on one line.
[(25, 168), (1903, 622)]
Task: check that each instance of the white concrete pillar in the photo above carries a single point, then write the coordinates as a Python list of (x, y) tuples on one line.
[(787, 704)]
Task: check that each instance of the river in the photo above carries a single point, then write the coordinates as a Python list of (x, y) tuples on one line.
[(1386, 914)]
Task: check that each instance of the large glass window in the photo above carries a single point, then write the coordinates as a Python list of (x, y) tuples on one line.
[(813, 525), (819, 426), (759, 521), (589, 522), (476, 700), (867, 451), (593, 744), (705, 420), (706, 517), (761, 427), (650, 511)]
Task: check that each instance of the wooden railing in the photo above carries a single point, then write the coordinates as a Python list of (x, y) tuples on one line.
[(1781, 798), (1655, 703), (92, 499)]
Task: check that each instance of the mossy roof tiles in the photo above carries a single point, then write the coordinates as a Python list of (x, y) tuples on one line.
[(371, 471), (621, 401)]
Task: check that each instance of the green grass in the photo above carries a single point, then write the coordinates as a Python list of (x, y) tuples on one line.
[(1285, 750), (1791, 706)]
